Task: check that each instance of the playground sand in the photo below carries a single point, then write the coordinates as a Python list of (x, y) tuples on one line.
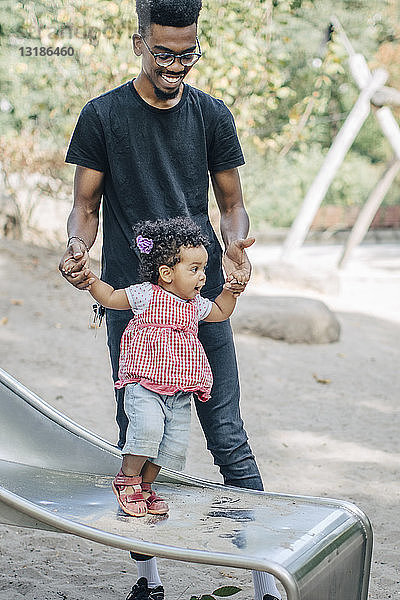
[(338, 438)]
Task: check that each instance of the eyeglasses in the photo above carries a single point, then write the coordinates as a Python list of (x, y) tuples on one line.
[(166, 59)]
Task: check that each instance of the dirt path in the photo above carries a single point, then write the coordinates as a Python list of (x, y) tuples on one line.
[(338, 439)]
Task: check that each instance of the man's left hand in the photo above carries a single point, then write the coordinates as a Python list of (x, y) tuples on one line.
[(236, 263)]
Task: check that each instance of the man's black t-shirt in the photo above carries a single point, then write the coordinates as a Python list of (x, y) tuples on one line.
[(156, 164)]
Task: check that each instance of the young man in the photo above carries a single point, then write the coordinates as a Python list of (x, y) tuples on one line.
[(147, 149)]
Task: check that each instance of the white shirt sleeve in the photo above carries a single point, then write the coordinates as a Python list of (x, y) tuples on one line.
[(139, 296), (204, 306)]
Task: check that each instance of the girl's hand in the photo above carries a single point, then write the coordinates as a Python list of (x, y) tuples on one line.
[(73, 263), (234, 288), (86, 274), (90, 278)]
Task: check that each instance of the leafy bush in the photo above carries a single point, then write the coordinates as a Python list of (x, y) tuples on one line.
[(289, 94)]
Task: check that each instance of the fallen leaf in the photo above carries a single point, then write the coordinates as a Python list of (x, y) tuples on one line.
[(227, 590), (320, 380), (16, 302), (4, 321)]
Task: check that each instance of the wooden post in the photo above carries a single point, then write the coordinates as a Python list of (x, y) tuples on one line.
[(369, 210), (361, 73), (390, 128), (359, 70), (331, 164), (384, 95)]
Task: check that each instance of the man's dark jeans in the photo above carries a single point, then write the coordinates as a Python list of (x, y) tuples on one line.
[(220, 416)]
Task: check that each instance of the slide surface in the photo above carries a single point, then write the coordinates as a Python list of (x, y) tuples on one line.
[(56, 475)]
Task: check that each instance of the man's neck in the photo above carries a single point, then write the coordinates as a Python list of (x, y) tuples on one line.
[(146, 91)]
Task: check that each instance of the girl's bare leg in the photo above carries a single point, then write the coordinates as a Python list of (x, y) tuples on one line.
[(132, 464), (131, 467), (155, 504), (149, 472)]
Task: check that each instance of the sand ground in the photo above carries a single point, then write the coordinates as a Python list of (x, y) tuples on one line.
[(339, 439)]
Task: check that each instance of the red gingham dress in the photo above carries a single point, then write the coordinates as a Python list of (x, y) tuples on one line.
[(160, 348)]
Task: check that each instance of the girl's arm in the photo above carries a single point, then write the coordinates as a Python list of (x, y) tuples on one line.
[(223, 305), (106, 295)]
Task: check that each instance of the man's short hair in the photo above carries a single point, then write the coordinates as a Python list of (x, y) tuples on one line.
[(171, 13)]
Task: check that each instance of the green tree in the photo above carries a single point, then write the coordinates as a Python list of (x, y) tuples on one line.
[(289, 92)]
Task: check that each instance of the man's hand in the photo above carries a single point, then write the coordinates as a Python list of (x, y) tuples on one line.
[(73, 265), (237, 265)]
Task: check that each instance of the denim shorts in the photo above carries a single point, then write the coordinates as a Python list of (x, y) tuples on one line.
[(158, 425)]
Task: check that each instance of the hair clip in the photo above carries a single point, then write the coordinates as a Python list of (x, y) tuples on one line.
[(145, 245)]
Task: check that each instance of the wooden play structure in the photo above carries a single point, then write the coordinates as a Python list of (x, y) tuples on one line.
[(374, 95)]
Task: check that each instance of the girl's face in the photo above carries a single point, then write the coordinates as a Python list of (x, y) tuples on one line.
[(187, 277)]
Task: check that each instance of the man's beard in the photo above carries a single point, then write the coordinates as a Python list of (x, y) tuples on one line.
[(165, 95)]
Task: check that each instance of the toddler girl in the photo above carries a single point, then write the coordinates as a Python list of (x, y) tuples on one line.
[(162, 362)]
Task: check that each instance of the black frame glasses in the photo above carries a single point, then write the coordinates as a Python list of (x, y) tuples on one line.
[(166, 59)]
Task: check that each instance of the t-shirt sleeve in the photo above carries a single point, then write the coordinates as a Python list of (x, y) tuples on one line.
[(139, 296), (204, 306), (225, 151), (87, 147)]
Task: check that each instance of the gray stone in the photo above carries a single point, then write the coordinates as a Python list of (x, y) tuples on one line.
[(288, 318)]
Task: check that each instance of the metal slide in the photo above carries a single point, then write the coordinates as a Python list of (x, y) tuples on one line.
[(55, 475)]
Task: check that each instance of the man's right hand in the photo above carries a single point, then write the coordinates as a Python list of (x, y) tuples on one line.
[(73, 264)]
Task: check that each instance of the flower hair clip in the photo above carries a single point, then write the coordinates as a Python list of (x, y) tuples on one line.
[(145, 245)]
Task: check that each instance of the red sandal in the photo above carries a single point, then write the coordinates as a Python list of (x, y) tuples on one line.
[(155, 504), (132, 504)]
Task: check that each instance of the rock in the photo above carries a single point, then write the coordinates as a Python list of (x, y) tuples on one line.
[(292, 319)]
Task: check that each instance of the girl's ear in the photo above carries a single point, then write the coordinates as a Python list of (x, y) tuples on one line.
[(165, 273)]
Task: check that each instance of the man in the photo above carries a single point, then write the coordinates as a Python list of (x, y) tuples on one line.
[(148, 148)]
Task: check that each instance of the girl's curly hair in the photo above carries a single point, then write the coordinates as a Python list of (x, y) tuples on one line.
[(167, 237)]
